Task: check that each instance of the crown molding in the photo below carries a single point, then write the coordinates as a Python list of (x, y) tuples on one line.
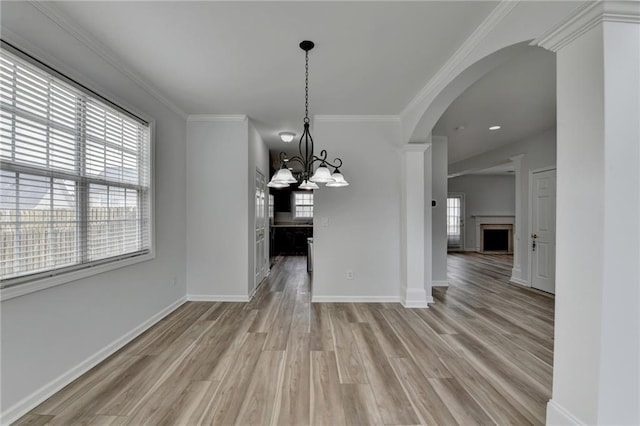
[(587, 17), (52, 12), (415, 147), (359, 118), (441, 77), (217, 117)]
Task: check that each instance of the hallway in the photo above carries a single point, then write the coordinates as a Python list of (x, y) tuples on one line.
[(482, 354)]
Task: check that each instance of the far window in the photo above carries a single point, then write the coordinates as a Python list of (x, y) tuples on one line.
[(303, 205)]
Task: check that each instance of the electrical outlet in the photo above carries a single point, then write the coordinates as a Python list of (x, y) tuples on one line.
[(349, 274)]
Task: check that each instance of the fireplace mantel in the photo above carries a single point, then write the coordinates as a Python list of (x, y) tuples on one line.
[(491, 220)]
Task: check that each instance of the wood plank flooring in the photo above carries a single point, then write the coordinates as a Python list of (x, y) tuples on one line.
[(482, 354)]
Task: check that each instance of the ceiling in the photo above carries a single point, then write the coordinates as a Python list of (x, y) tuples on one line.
[(243, 57), (519, 96)]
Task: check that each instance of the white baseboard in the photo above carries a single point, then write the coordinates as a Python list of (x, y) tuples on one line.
[(557, 415), (440, 283), (28, 403), (520, 281), (217, 298), (355, 299)]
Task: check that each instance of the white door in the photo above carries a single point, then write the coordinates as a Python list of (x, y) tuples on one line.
[(261, 229), (543, 231), (455, 222)]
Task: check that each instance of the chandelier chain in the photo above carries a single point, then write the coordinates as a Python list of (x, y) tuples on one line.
[(306, 87)]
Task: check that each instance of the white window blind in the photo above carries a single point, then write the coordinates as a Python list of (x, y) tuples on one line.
[(74, 175), (303, 202)]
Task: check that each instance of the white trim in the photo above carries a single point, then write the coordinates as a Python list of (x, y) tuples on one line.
[(441, 78), (217, 117), (558, 415), (587, 17), (52, 12), (217, 298), (440, 283), (359, 118), (67, 277), (415, 147), (516, 277), (355, 299), (416, 298), (516, 160), (34, 399), (519, 281)]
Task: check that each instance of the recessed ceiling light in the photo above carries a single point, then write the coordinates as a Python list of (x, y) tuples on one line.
[(287, 136), (495, 128)]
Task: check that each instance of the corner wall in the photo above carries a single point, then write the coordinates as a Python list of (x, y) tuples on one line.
[(218, 211), (358, 227), (439, 162)]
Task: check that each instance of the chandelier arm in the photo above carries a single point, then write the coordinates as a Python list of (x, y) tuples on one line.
[(337, 163), (297, 159)]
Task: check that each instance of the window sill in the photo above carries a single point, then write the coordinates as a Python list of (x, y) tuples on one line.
[(45, 283)]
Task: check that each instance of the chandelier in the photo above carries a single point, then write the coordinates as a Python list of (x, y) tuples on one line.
[(307, 179)]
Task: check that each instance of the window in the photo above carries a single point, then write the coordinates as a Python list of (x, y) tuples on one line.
[(454, 221), (303, 205), (75, 175), (271, 207)]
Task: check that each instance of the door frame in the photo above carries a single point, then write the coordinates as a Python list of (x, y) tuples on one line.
[(530, 219), (265, 213)]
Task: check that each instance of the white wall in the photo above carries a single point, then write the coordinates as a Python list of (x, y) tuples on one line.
[(218, 211), (55, 331), (363, 232), (487, 195), (596, 376), (538, 152), (439, 164), (258, 160)]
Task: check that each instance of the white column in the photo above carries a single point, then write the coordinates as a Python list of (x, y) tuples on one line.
[(520, 234), (597, 327), (416, 228)]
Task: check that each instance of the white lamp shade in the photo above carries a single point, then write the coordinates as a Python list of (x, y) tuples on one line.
[(308, 185), (273, 184), (284, 176), (287, 136), (322, 175), (338, 181)]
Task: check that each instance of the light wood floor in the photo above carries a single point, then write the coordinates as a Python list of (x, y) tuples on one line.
[(482, 354)]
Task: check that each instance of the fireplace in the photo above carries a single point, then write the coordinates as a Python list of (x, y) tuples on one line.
[(494, 242), (496, 238)]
